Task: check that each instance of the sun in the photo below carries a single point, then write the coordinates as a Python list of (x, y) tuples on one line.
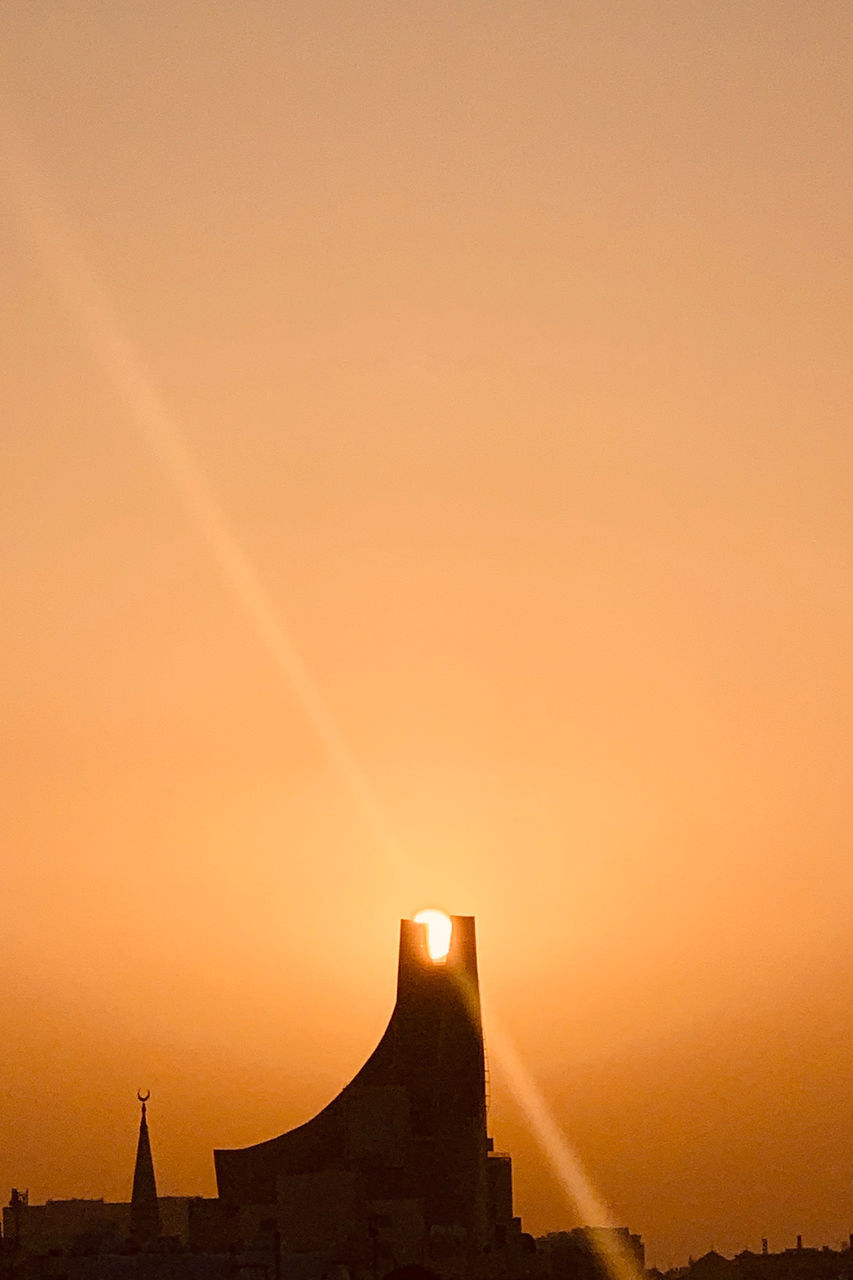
[(439, 930)]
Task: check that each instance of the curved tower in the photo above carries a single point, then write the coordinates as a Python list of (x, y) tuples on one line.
[(408, 1133)]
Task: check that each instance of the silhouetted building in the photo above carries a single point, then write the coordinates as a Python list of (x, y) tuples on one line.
[(86, 1228), (64, 1225), (396, 1175), (144, 1213), (397, 1169), (797, 1263), (592, 1253)]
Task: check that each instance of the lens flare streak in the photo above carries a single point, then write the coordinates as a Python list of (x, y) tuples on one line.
[(120, 361), (562, 1159)]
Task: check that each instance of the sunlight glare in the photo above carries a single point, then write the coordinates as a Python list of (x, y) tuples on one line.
[(439, 931)]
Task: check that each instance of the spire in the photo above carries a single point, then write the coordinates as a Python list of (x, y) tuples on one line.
[(144, 1212)]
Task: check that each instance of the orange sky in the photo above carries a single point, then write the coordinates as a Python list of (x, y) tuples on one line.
[(511, 342)]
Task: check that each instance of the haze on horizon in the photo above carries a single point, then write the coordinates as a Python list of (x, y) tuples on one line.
[(513, 343)]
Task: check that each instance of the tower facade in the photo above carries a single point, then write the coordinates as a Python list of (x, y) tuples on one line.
[(404, 1144)]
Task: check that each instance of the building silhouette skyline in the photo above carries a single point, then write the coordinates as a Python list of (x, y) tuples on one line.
[(396, 1176)]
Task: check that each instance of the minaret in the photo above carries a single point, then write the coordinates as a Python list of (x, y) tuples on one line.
[(144, 1212)]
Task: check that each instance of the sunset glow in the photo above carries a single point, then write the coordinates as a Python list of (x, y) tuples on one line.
[(426, 471)]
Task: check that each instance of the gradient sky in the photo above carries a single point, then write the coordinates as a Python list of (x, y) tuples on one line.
[(512, 345)]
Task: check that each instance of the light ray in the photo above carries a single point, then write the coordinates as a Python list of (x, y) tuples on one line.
[(119, 359), (564, 1162), (562, 1159), (49, 233)]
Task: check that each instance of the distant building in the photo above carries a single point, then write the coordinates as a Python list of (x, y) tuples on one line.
[(592, 1253), (84, 1227), (789, 1264)]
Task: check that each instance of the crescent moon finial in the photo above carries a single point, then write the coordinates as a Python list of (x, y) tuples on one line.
[(143, 1097)]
